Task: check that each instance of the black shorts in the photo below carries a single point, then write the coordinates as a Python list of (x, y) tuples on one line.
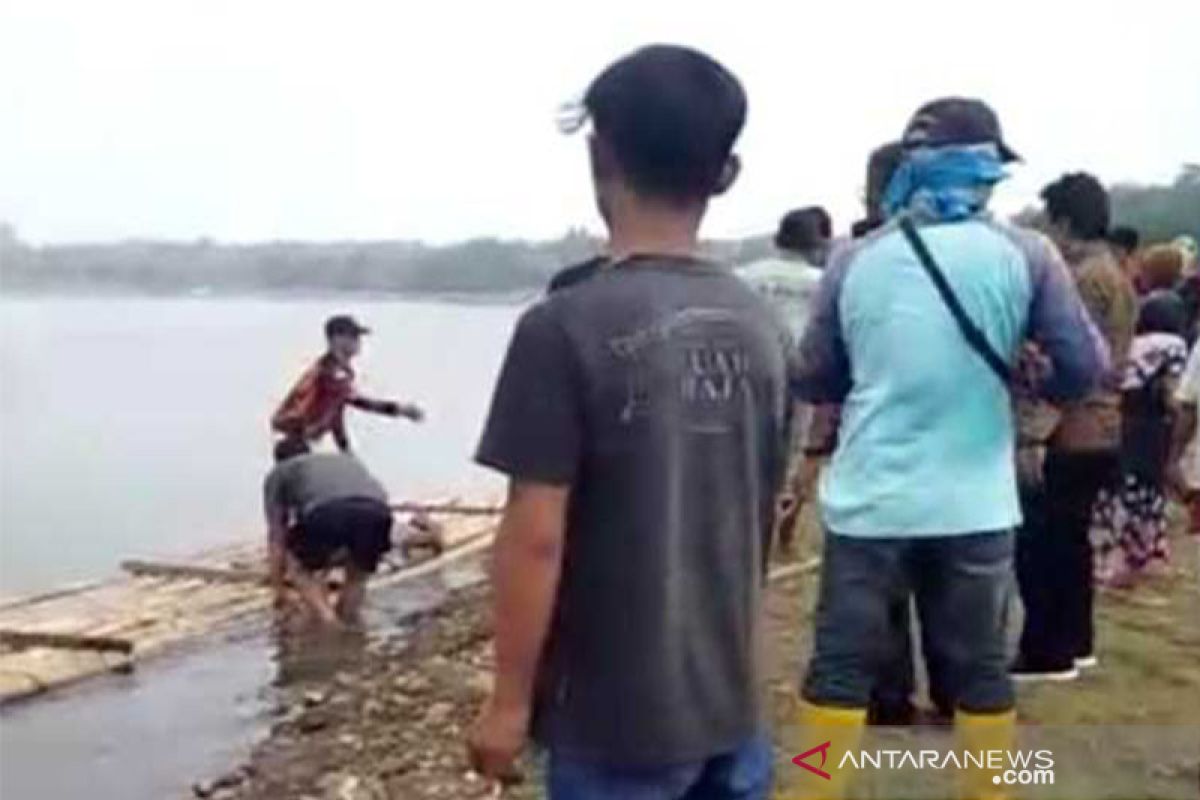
[(362, 526)]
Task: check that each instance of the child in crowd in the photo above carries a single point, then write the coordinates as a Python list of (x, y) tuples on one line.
[(1130, 520)]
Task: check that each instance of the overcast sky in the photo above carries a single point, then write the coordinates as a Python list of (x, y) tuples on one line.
[(265, 119)]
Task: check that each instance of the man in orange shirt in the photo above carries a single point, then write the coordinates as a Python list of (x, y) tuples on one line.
[(317, 402)]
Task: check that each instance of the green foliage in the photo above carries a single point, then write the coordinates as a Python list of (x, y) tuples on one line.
[(474, 266), (1160, 213), (479, 265)]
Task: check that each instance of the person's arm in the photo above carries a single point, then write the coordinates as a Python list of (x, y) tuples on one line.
[(533, 434), (337, 427), (1184, 433), (1168, 388), (277, 556), (276, 516), (388, 408), (818, 443), (1061, 326), (1184, 400), (820, 369), (527, 560), (1097, 295)]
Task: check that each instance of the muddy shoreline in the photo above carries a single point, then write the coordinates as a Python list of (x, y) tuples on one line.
[(379, 720), (390, 723)]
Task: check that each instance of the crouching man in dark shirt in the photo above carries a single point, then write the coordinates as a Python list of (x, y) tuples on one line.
[(640, 419), (318, 506)]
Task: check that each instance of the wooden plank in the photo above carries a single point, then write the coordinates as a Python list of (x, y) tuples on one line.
[(162, 569), (792, 570), (65, 641), (447, 508), (53, 594), (464, 547), (175, 601)]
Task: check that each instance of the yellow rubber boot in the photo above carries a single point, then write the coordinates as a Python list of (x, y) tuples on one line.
[(823, 736), (982, 733)]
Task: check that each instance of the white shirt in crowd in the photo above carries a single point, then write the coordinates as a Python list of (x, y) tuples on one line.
[(789, 283)]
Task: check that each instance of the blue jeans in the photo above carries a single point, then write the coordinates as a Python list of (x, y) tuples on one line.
[(965, 583), (743, 774)]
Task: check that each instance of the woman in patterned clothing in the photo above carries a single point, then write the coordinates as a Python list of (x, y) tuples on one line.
[(1130, 520)]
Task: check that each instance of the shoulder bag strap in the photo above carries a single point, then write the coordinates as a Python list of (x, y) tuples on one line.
[(970, 330)]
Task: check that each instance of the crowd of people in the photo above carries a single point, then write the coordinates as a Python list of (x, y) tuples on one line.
[(978, 398)]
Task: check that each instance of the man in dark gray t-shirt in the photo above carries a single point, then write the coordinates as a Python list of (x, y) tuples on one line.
[(640, 417), (318, 505)]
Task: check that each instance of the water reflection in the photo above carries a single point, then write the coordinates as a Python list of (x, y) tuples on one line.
[(196, 712), (313, 656), (310, 655)]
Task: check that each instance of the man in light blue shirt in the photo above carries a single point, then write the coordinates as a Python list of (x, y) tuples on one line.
[(921, 492)]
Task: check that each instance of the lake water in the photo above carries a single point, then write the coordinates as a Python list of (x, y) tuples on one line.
[(190, 715), (139, 426), (134, 426)]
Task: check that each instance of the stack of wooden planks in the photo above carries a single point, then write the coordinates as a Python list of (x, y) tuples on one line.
[(60, 637)]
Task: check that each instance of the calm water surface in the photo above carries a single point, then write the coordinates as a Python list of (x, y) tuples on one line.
[(139, 426)]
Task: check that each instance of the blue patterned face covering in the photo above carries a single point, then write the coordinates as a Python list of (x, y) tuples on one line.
[(944, 184)]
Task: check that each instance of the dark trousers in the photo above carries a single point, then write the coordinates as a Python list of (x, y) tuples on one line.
[(966, 581), (891, 700), (1054, 558)]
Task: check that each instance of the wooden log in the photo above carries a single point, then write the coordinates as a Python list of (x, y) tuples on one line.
[(461, 549), (65, 641), (160, 569), (792, 570), (53, 594), (175, 602), (447, 508)]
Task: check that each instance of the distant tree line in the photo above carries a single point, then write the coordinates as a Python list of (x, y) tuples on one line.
[(479, 265), (1160, 213), (160, 267), (475, 266)]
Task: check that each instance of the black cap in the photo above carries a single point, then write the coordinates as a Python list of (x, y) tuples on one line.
[(344, 325), (956, 120)]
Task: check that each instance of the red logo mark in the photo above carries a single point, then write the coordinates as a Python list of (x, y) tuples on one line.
[(823, 749)]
